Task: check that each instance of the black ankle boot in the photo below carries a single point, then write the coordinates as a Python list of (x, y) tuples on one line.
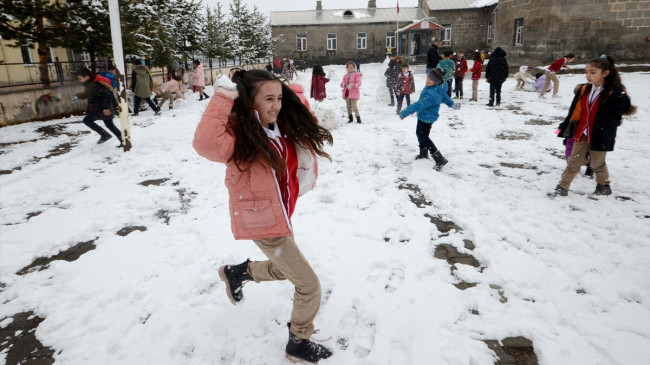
[(235, 277), (358, 119), (603, 190), (206, 96), (104, 136), (424, 153), (440, 161), (306, 350), (350, 118), (490, 103)]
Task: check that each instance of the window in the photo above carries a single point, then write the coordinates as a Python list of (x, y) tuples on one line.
[(26, 51), (50, 55), (519, 32), (301, 42), (390, 39), (446, 34), (361, 40), (490, 31), (331, 41)]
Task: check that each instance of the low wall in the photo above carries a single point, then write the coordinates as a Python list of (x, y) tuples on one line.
[(34, 103)]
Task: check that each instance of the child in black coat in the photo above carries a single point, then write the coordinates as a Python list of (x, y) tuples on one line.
[(496, 74), (99, 92)]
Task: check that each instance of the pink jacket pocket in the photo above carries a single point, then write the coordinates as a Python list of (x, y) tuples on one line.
[(256, 213)]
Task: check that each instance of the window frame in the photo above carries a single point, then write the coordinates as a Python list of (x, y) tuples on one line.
[(301, 43), (362, 41), (446, 34), (26, 50), (330, 40), (518, 37), (391, 39), (490, 32)]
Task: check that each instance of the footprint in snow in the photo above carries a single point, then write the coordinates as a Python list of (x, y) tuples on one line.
[(357, 331)]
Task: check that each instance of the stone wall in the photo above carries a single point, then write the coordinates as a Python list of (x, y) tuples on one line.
[(587, 28), (468, 27), (346, 48)]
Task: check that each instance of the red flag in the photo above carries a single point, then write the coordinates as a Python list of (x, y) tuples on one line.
[(397, 6)]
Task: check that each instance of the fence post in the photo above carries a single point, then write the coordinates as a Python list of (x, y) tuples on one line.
[(59, 70)]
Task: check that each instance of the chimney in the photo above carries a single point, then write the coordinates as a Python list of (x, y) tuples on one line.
[(372, 4), (319, 5)]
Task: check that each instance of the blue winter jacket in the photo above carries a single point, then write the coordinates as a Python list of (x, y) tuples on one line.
[(109, 75), (429, 103)]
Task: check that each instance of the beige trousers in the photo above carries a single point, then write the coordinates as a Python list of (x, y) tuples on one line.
[(287, 263), (475, 89), (351, 104), (550, 76), (579, 158), (165, 95)]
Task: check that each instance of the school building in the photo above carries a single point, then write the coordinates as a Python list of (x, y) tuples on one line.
[(531, 31)]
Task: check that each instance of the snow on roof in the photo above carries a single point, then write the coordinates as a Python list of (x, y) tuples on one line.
[(337, 16), (459, 4)]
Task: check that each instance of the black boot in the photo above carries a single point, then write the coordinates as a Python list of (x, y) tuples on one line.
[(440, 161), (206, 96), (491, 103), (603, 190), (306, 350), (104, 136), (424, 153), (589, 172), (358, 119), (560, 191), (350, 118), (235, 277)]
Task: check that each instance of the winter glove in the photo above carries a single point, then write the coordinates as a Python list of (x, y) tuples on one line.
[(571, 129), (75, 98), (225, 87), (456, 106)]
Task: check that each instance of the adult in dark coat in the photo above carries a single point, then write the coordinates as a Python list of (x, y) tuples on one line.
[(433, 55), (391, 78), (496, 74), (99, 92)]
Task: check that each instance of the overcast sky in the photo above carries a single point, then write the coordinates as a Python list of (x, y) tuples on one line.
[(266, 6)]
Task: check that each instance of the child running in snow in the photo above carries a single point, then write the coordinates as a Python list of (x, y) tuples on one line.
[(404, 87), (351, 83), (594, 116), (198, 79), (459, 74), (99, 92), (427, 108), (476, 74), (318, 81), (269, 141)]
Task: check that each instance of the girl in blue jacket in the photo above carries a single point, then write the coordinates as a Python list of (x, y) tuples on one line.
[(427, 108)]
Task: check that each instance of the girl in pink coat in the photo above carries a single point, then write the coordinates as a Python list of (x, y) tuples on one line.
[(351, 83), (269, 141), (198, 79)]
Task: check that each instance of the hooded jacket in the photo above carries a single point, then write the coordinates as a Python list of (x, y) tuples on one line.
[(198, 76), (99, 92), (142, 82), (355, 81), (496, 71), (256, 208)]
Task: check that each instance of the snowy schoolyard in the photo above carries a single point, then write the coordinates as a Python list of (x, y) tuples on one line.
[(416, 266)]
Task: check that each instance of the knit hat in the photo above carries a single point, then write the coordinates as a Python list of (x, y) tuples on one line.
[(437, 75)]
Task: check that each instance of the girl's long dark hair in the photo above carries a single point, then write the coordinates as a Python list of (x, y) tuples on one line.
[(612, 81), (251, 142), (318, 71)]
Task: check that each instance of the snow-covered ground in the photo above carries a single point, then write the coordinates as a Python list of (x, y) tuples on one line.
[(570, 274)]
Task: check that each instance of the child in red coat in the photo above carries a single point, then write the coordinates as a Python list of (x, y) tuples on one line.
[(318, 81), (476, 74)]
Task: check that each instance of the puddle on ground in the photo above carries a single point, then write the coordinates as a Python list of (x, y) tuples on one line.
[(417, 197), (514, 136), (18, 342), (129, 229), (154, 182), (71, 254), (539, 121), (513, 351)]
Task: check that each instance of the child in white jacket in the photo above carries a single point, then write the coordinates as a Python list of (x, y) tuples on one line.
[(523, 77)]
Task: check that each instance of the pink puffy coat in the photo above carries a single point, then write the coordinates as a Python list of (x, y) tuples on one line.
[(355, 80), (300, 92), (256, 209), (198, 76)]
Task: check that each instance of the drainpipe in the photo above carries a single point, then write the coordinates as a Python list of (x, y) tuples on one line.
[(494, 30)]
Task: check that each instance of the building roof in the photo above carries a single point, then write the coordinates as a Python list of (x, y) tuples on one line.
[(421, 24), (336, 17), (459, 4)]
